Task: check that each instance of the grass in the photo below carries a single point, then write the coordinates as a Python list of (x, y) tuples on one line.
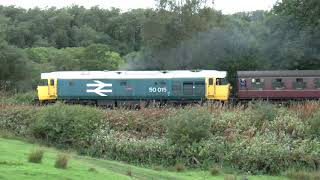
[(14, 165)]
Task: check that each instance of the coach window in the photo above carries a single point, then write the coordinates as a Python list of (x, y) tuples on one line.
[(257, 83), (243, 83), (278, 83), (299, 84), (317, 83)]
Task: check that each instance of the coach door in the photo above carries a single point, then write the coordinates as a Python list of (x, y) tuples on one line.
[(210, 90)]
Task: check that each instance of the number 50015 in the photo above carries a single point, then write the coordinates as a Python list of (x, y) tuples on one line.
[(159, 89)]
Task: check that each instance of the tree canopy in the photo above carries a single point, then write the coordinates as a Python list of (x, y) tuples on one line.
[(184, 34)]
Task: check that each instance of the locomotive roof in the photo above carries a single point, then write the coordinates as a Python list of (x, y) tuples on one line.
[(133, 74), (280, 73)]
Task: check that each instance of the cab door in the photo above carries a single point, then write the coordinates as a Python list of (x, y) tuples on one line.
[(210, 89), (52, 88), (47, 89), (222, 89)]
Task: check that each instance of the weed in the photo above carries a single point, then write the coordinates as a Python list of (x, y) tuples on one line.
[(36, 156), (92, 169), (129, 172), (230, 177), (179, 167), (214, 171), (61, 161)]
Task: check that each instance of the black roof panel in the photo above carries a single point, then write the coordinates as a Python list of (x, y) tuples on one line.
[(280, 73)]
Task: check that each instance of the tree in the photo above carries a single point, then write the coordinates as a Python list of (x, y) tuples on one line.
[(100, 57), (14, 68), (307, 12)]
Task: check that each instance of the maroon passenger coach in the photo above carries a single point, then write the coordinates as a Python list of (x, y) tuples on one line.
[(278, 85)]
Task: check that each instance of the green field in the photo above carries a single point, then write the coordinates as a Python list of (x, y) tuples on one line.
[(14, 165)]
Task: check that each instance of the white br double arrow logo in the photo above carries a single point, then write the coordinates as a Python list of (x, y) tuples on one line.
[(99, 90)]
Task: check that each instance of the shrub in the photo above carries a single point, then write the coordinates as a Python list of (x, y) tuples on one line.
[(264, 111), (26, 98), (179, 167), (36, 156), (92, 169), (17, 119), (214, 171), (68, 125), (145, 122), (302, 175), (129, 172), (61, 161), (230, 177), (188, 125), (315, 125)]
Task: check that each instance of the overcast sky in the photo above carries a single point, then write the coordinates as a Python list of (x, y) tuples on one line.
[(227, 6)]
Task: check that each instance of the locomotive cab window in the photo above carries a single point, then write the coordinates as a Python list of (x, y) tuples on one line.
[(278, 84), (51, 82), (221, 81), (210, 81), (299, 83), (43, 82)]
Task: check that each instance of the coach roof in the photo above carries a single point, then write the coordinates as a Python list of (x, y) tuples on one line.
[(280, 73)]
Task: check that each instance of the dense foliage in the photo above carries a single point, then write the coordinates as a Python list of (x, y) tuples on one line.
[(188, 126), (174, 35), (67, 126), (240, 138)]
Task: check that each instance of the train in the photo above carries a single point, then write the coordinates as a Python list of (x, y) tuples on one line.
[(142, 88), (134, 88)]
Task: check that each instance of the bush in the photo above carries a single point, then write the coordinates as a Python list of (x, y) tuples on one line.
[(68, 125), (315, 125), (230, 177), (214, 171), (188, 126), (271, 154), (18, 98), (61, 161), (17, 119), (92, 169), (262, 112), (129, 172), (36, 156), (179, 167), (302, 175)]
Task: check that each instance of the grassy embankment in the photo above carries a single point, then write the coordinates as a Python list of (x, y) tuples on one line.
[(14, 165)]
